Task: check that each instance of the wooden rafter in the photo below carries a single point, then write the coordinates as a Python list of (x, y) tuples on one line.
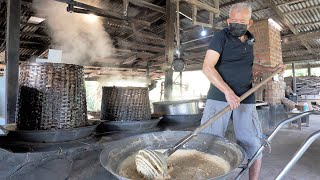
[(302, 58), (148, 5), (290, 2), (298, 52), (231, 3), (301, 36)]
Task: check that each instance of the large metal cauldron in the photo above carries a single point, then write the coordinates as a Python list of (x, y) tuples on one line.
[(185, 107), (116, 152)]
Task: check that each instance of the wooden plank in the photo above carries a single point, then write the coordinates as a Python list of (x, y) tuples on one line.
[(201, 5), (140, 28), (197, 47), (290, 2), (27, 41), (31, 35), (195, 55), (130, 60), (299, 52), (301, 61), (216, 5), (298, 58), (203, 24), (194, 14), (148, 5), (299, 36), (305, 65), (231, 3), (294, 52), (150, 35)]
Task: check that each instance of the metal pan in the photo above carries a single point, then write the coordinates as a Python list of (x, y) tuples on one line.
[(117, 151), (110, 126), (187, 118), (52, 136), (184, 107)]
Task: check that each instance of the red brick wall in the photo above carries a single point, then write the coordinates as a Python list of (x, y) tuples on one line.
[(268, 52)]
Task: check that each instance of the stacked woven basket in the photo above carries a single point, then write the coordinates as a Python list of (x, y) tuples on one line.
[(51, 96), (125, 104), (127, 109)]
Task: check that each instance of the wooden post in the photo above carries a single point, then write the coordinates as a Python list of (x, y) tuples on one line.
[(309, 69), (181, 91), (169, 49), (12, 58), (194, 14), (216, 5), (294, 80)]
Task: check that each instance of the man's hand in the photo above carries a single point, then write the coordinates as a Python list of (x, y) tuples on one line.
[(280, 66), (233, 99)]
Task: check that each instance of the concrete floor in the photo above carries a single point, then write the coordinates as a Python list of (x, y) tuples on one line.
[(284, 145), (85, 164)]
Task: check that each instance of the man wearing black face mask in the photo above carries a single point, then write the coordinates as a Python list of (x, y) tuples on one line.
[(228, 64)]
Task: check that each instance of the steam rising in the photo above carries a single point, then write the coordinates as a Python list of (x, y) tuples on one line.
[(124, 81), (94, 89), (81, 37)]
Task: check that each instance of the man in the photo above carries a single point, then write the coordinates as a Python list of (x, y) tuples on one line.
[(228, 65)]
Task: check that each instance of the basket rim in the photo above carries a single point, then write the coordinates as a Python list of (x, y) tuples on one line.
[(49, 63)]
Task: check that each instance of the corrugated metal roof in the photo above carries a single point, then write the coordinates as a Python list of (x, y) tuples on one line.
[(296, 17), (304, 16)]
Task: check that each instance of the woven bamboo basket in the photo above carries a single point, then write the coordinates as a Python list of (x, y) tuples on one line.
[(51, 96), (125, 104)]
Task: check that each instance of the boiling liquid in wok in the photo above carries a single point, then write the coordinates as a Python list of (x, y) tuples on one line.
[(183, 164)]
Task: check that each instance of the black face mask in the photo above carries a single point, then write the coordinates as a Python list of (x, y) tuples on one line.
[(237, 29)]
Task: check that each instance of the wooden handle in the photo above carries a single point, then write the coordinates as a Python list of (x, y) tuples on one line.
[(218, 115), (228, 108)]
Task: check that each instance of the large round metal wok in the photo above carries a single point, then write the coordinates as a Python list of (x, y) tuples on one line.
[(117, 151), (182, 107)]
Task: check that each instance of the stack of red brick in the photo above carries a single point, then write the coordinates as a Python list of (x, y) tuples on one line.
[(268, 52)]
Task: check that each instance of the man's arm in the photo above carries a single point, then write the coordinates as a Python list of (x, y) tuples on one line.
[(257, 68), (214, 77)]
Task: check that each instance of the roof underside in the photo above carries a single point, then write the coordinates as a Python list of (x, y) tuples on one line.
[(140, 42)]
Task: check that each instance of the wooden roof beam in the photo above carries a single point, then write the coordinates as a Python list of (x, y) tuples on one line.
[(291, 2), (31, 34), (295, 53), (197, 47), (231, 3), (304, 65), (301, 36), (148, 5), (302, 58), (201, 5), (27, 41), (301, 61), (136, 46)]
